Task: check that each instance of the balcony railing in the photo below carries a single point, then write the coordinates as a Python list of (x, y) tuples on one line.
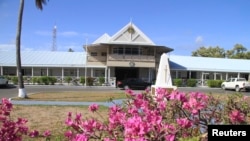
[(116, 57)]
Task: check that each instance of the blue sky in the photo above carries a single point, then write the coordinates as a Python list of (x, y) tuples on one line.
[(184, 25)]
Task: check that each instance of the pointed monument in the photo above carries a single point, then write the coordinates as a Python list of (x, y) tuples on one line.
[(163, 79)]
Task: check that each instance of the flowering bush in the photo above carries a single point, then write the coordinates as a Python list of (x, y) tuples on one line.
[(11, 130), (165, 116)]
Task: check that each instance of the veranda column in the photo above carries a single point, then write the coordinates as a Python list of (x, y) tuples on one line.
[(62, 74), (32, 71), (91, 72), (226, 76), (1, 70), (47, 71), (77, 73), (106, 75), (176, 75), (238, 75), (202, 79)]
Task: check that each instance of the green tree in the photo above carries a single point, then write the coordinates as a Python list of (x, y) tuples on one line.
[(210, 52), (21, 92), (238, 52), (70, 50)]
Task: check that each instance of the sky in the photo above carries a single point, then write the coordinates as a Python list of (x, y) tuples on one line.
[(183, 25)]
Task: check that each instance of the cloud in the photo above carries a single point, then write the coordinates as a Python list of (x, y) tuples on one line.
[(7, 47), (12, 47), (68, 33), (65, 33), (44, 33), (199, 40)]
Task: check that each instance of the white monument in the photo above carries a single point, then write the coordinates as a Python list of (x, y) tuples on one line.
[(163, 79)]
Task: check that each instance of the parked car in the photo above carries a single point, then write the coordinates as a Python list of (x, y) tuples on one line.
[(133, 83), (3, 81), (236, 84)]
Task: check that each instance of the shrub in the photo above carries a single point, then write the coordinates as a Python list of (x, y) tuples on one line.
[(52, 80), (166, 116), (34, 80), (14, 80), (82, 80), (44, 80), (191, 82), (15, 130), (90, 81), (214, 83), (178, 82), (101, 80), (68, 79)]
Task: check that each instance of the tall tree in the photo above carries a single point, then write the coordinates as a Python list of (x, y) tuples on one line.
[(238, 52), (21, 90), (210, 52)]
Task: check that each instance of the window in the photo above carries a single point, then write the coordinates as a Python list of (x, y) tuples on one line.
[(104, 53), (135, 51), (128, 51), (118, 50), (93, 53)]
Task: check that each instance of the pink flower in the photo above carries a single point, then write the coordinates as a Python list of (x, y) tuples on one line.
[(93, 107), (236, 116), (68, 134), (34, 133), (46, 133), (108, 139), (81, 137), (184, 122)]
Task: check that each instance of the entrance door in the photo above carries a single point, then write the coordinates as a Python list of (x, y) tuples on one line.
[(123, 73)]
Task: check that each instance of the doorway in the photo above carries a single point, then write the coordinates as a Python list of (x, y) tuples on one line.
[(122, 73)]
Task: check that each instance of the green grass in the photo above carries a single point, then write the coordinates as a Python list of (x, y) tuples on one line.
[(87, 96)]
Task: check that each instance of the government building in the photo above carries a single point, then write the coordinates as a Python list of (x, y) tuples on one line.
[(128, 53)]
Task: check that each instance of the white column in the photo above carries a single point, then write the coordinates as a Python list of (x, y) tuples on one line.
[(77, 73), (62, 74), (215, 75), (47, 71), (106, 75), (92, 72), (32, 71), (226, 76), (202, 78), (238, 75)]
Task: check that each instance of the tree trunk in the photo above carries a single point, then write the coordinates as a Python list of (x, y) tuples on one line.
[(21, 90)]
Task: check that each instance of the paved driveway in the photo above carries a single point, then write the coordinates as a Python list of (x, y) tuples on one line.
[(12, 90)]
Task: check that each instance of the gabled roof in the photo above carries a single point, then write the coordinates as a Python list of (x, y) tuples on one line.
[(103, 39), (130, 34), (209, 64)]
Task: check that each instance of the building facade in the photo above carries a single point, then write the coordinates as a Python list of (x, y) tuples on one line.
[(128, 53)]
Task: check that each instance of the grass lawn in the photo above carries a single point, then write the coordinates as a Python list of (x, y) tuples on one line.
[(52, 118), (77, 96)]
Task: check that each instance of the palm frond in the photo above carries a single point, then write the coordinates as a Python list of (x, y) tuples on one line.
[(40, 3)]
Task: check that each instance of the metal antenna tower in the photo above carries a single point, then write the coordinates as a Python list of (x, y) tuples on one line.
[(54, 39)]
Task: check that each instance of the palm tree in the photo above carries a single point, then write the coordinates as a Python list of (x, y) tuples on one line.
[(21, 91)]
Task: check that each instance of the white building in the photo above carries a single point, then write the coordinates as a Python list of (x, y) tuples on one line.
[(128, 53)]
